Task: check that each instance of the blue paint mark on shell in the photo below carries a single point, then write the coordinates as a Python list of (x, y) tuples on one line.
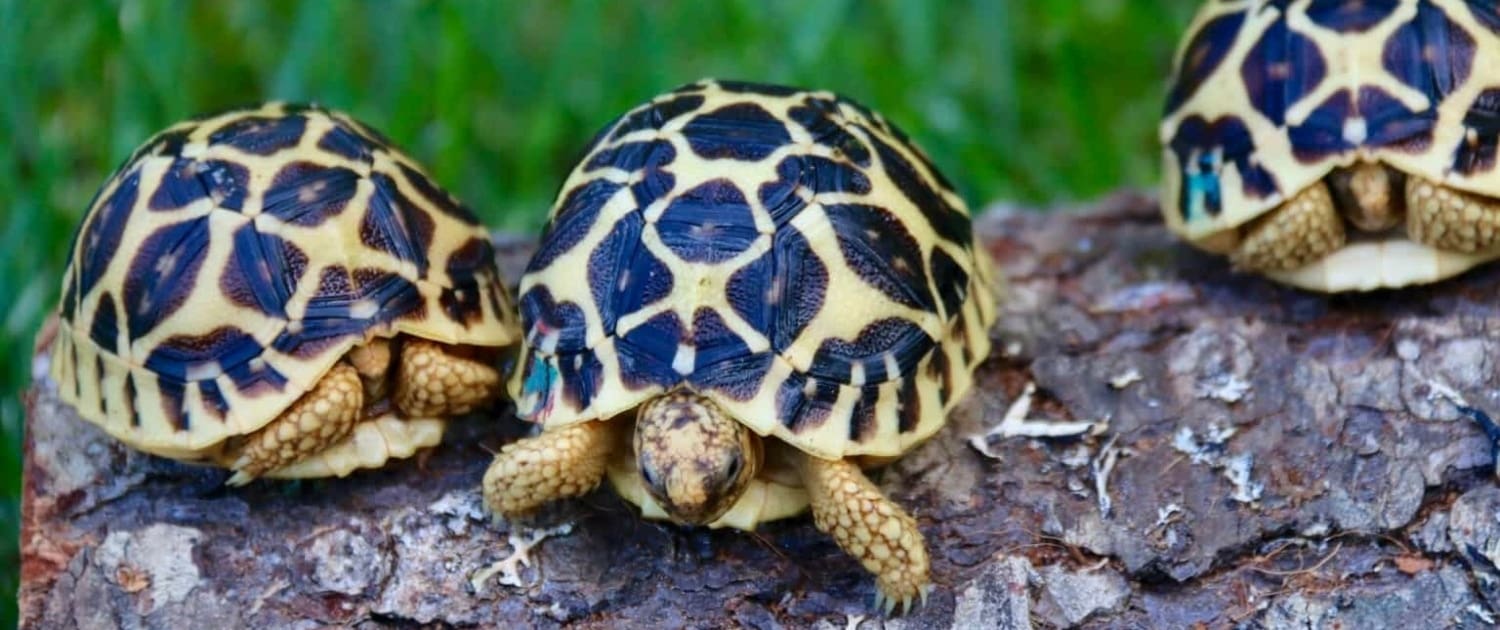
[(536, 389), (1203, 149)]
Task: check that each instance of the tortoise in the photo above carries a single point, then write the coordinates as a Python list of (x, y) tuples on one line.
[(1336, 145), (278, 291), (745, 293)]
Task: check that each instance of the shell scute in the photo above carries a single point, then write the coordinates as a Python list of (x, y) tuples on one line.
[(792, 256), (738, 131), (710, 223), (261, 135), (188, 180), (1349, 17), (307, 193), (164, 271), (1280, 69), (1482, 124)]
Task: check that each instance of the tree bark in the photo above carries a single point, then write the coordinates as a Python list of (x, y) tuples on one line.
[(1267, 456)]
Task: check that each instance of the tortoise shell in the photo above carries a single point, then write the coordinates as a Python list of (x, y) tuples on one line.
[(1270, 96), (234, 259), (788, 254)]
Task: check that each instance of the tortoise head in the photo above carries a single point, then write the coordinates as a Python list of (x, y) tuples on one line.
[(695, 459)]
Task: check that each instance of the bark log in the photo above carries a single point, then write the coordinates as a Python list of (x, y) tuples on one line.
[(1269, 457)]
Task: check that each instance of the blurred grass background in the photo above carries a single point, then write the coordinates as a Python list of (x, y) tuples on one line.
[(1038, 101)]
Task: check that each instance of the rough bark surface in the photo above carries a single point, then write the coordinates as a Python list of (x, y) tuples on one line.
[(1279, 459)]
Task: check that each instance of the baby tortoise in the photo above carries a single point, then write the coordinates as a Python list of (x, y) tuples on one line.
[(745, 294), (1337, 145), (281, 292)]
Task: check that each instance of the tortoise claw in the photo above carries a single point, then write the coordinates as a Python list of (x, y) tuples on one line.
[(239, 478), (902, 605)]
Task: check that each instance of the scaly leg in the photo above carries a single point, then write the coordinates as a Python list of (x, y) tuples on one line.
[(557, 464), (870, 527), (321, 418), (1302, 230), (433, 382), (1450, 219)]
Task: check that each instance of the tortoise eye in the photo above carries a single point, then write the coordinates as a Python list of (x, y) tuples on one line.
[(733, 472), (647, 476)]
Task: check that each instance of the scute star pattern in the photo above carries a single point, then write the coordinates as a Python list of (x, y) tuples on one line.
[(234, 258), (789, 254), (1256, 112)]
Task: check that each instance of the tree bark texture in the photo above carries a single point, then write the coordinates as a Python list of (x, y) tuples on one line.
[(1263, 457)]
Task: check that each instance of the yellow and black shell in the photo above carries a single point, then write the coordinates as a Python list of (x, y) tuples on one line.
[(1271, 96), (788, 254), (234, 259)]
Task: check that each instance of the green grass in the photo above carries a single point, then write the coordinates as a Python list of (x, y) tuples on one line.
[(1031, 100)]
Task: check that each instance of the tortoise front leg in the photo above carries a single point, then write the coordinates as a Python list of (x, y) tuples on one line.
[(557, 464), (1301, 230), (433, 382), (870, 527), (319, 419)]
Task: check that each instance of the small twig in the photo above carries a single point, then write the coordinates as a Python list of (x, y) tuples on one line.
[(521, 544), (1101, 467), (1015, 424), (1125, 379), (1305, 571)]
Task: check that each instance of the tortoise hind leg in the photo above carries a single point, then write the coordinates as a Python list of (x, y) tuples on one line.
[(1299, 231), (323, 417), (557, 464), (870, 527), (1450, 219), (434, 382)]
